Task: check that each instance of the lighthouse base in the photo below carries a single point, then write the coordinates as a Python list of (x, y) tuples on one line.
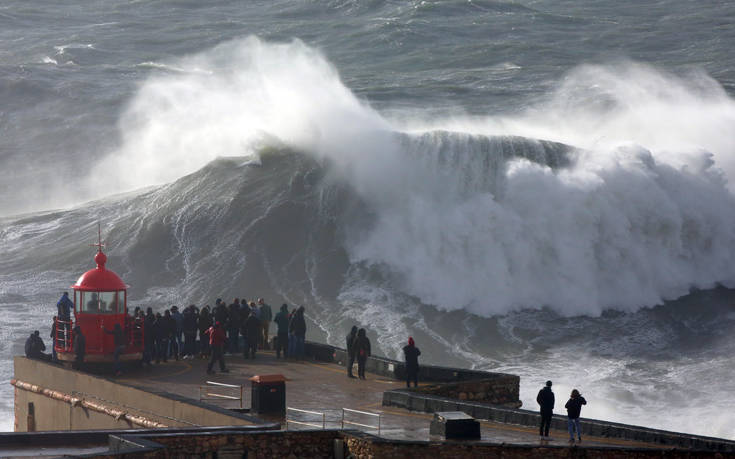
[(100, 358)]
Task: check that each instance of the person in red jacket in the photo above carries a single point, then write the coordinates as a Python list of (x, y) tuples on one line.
[(217, 344)]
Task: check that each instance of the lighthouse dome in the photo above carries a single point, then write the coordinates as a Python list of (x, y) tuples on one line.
[(99, 279)]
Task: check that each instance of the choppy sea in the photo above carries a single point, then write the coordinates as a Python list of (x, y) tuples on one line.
[(537, 187)]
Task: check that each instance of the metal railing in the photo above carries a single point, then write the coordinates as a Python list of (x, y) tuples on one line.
[(62, 340), (304, 422), (217, 396), (362, 413)]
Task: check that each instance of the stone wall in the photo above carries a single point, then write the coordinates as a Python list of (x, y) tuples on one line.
[(362, 447), (500, 390), (255, 445), (358, 445)]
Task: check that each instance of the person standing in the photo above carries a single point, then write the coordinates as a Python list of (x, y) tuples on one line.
[(80, 348), (217, 344), (149, 336), (281, 321), (297, 330), (53, 340), (574, 408), (233, 326), (119, 340), (190, 332), (63, 311), (350, 339), (545, 399), (266, 314), (177, 328), (362, 351), (411, 354), (205, 321), (160, 331), (252, 331)]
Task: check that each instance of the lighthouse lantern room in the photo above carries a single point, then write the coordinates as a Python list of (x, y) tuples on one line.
[(100, 302)]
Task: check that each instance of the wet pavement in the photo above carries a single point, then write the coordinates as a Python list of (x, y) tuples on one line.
[(317, 393)]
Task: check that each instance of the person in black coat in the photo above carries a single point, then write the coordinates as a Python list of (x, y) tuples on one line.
[(149, 337), (160, 333), (574, 408), (34, 347), (362, 351), (119, 340), (189, 327), (80, 347), (252, 332), (233, 326), (351, 351), (411, 354), (545, 399), (297, 334), (205, 321)]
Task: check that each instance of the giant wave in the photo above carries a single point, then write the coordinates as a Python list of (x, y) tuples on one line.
[(255, 172)]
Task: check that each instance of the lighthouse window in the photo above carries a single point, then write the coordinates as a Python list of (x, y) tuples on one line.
[(108, 302), (103, 302)]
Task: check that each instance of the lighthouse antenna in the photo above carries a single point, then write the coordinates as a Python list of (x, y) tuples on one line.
[(99, 243)]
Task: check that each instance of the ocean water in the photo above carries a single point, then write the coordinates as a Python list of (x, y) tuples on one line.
[(538, 187)]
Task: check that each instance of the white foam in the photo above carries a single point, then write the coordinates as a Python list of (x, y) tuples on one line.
[(642, 215)]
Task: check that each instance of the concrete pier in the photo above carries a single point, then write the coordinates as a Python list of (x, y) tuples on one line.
[(327, 411)]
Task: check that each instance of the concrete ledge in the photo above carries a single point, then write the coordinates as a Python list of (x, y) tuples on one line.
[(52, 414), (411, 400)]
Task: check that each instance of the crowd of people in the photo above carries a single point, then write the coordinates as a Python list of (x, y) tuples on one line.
[(225, 329), (239, 327)]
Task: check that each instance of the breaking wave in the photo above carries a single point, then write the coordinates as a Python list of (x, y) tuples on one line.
[(252, 170), (627, 206)]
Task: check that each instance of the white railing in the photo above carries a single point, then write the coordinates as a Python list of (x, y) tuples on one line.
[(235, 392), (313, 423), (361, 413)]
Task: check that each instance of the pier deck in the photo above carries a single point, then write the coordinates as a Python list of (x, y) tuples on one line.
[(325, 388)]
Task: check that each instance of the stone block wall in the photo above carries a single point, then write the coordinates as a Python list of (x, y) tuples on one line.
[(358, 445), (500, 390), (366, 448), (254, 445)]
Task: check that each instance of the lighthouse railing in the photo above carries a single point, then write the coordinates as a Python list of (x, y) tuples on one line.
[(62, 335)]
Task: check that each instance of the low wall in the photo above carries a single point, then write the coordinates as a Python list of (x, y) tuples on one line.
[(363, 446), (339, 444), (496, 391), (51, 397), (500, 388), (416, 401), (265, 444)]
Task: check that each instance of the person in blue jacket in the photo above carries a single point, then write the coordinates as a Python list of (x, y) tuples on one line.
[(63, 311)]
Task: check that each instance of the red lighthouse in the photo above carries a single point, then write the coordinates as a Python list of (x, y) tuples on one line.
[(100, 302)]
